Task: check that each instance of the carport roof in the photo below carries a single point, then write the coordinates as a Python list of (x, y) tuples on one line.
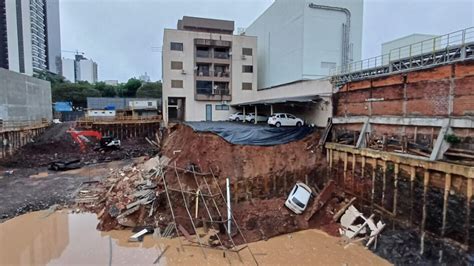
[(299, 99)]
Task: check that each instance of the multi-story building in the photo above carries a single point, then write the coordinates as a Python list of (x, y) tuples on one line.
[(205, 69), (299, 42), (79, 69), (30, 36)]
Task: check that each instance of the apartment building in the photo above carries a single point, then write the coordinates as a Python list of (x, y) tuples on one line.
[(30, 36), (79, 69), (205, 69)]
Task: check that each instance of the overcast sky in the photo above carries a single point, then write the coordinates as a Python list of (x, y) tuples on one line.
[(119, 34)]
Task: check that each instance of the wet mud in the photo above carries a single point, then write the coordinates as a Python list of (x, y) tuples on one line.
[(62, 238)]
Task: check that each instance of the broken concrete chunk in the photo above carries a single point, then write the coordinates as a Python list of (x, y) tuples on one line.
[(114, 211)]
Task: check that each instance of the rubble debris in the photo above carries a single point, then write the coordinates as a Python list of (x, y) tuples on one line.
[(321, 199), (343, 209), (351, 229), (138, 236), (65, 165)]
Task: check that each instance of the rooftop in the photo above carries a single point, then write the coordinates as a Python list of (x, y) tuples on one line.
[(206, 25)]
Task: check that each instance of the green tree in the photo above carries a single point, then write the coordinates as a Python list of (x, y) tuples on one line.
[(76, 93), (53, 78), (150, 90), (105, 90), (130, 88)]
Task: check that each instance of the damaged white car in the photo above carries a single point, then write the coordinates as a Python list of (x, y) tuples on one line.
[(299, 197)]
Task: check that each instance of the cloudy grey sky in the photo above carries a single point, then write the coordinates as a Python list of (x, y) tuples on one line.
[(119, 34)]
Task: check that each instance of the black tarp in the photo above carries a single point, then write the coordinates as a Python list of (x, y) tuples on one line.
[(249, 134)]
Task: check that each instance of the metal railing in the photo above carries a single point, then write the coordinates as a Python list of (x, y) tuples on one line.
[(455, 46)]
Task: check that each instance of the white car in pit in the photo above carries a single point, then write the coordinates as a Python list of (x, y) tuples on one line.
[(283, 119), (239, 116), (299, 197)]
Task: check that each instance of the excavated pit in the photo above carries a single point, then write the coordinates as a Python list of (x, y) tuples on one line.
[(260, 177)]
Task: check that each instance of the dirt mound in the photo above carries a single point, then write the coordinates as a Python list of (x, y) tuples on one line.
[(206, 150), (57, 144)]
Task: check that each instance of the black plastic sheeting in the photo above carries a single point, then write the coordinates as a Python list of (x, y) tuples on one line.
[(249, 134)]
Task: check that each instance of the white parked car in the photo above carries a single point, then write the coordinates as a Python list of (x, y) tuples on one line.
[(239, 116), (282, 119), (251, 118), (299, 197)]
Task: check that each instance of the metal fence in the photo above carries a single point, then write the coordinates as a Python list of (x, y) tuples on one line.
[(455, 46)]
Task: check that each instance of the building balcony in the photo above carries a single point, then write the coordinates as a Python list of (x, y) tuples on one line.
[(208, 94)]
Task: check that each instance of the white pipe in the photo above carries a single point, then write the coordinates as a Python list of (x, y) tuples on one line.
[(229, 212)]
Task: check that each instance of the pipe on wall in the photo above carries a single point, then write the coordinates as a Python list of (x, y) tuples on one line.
[(346, 29)]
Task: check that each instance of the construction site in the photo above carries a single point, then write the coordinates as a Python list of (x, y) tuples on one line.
[(377, 171)]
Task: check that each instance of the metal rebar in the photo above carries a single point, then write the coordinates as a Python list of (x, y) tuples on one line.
[(233, 218), (207, 209), (189, 213), (171, 208)]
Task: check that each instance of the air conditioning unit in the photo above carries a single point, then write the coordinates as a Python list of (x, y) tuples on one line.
[(243, 57), (183, 72)]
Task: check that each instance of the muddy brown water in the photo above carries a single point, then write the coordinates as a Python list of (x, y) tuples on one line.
[(63, 238)]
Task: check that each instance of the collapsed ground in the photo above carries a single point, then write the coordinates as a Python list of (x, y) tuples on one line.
[(261, 177)]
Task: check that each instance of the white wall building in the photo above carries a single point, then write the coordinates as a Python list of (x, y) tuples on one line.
[(79, 69), (68, 69), (86, 70), (299, 41), (205, 69), (303, 39), (410, 45)]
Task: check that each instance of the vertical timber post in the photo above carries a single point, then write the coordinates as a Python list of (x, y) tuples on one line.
[(384, 181), (447, 188), (412, 187), (426, 181), (468, 211), (395, 192)]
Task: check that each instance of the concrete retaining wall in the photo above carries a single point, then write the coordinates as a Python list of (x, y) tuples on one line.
[(24, 100)]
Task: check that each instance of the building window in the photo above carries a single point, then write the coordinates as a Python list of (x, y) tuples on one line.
[(222, 107), (176, 65), (247, 69), (177, 84), (177, 46), (150, 104), (246, 86), (247, 51)]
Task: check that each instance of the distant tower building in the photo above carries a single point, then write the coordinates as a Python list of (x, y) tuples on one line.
[(30, 35), (79, 69), (144, 77)]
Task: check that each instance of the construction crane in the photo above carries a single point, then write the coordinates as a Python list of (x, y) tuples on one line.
[(77, 52)]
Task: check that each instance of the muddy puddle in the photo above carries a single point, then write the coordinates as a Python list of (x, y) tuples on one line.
[(42, 238)]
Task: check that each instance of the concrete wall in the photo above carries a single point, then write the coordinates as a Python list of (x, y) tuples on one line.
[(296, 42), (196, 110), (24, 98)]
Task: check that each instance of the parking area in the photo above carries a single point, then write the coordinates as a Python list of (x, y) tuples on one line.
[(297, 111)]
